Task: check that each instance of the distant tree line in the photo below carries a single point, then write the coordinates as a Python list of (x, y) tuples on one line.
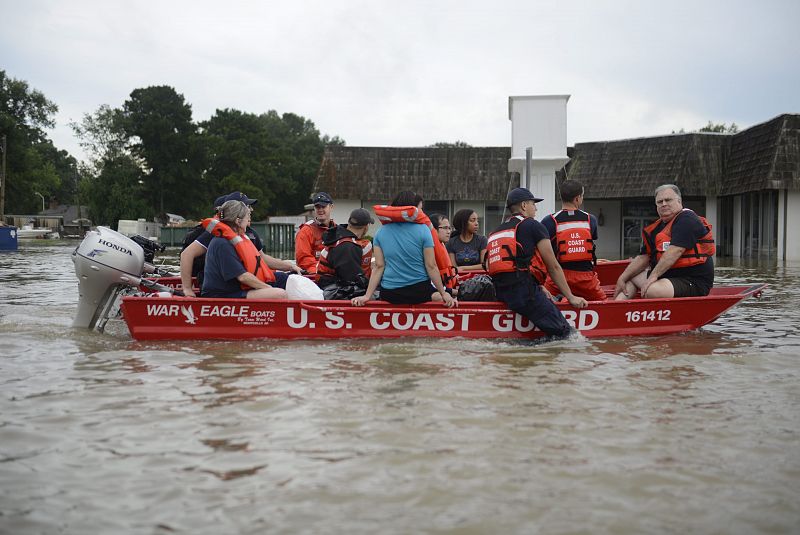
[(148, 157), (719, 128)]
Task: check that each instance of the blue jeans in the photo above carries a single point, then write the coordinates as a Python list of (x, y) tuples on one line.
[(526, 298)]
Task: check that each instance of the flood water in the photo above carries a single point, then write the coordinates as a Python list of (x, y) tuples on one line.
[(690, 433)]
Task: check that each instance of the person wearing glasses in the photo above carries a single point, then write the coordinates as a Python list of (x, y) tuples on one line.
[(308, 241), (442, 226)]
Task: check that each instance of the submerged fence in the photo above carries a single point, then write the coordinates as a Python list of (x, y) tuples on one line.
[(276, 236)]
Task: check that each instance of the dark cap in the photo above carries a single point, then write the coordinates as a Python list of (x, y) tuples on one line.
[(321, 198), (235, 196), (360, 218), (519, 195)]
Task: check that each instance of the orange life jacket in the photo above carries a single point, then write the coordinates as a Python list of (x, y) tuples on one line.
[(505, 253), (412, 214), (325, 268), (247, 252), (573, 240), (656, 244)]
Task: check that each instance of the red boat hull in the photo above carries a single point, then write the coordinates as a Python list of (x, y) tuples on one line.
[(159, 318)]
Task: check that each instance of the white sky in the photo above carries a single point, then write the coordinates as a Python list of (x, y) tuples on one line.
[(411, 73)]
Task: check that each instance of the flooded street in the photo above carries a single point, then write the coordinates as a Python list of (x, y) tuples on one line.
[(690, 433)]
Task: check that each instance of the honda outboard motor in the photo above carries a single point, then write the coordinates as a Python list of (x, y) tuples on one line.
[(105, 263)]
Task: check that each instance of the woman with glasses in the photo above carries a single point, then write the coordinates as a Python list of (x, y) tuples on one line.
[(442, 226)]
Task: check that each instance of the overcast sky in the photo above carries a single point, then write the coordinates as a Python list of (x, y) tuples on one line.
[(412, 73)]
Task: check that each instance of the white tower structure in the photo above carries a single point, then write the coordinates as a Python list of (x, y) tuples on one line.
[(539, 122)]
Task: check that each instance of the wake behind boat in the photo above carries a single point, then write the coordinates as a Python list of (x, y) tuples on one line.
[(108, 263)]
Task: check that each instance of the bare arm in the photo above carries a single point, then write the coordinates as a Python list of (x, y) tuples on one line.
[(252, 281), (668, 259), (557, 274), (374, 278), (435, 276), (188, 255), (277, 263), (636, 266)]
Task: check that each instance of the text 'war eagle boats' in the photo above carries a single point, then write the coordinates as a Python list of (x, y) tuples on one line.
[(109, 264)]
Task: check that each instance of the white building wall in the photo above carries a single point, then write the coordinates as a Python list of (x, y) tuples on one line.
[(711, 214), (609, 241), (789, 233), (540, 122), (737, 227)]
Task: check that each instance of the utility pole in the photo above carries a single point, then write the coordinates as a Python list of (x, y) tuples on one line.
[(3, 179)]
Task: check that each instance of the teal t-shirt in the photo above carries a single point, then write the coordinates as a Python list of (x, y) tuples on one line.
[(402, 245)]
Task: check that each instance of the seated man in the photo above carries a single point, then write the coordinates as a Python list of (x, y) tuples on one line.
[(192, 259), (345, 261), (573, 234), (512, 248), (678, 248), (308, 241)]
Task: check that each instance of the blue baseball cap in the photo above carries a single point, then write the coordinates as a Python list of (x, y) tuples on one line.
[(235, 196), (518, 195)]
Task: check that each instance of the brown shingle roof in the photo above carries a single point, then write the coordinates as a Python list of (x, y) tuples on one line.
[(765, 156), (454, 173)]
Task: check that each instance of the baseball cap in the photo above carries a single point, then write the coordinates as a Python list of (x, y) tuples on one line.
[(235, 196), (360, 218), (518, 195), (321, 198)]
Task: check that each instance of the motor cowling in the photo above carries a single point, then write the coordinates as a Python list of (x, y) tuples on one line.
[(105, 262)]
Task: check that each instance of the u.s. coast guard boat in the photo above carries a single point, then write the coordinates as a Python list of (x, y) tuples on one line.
[(108, 263)]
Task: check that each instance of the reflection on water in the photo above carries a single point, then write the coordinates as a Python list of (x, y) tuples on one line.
[(694, 432)]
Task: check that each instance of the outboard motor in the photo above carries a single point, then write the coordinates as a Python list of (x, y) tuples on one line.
[(106, 262)]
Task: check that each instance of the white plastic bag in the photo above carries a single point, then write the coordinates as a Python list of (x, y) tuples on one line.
[(302, 289)]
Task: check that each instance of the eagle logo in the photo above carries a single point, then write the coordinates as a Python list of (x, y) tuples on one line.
[(189, 314)]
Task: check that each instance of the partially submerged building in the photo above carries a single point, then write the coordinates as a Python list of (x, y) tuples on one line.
[(747, 184)]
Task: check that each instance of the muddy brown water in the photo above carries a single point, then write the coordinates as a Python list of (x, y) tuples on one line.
[(691, 433)]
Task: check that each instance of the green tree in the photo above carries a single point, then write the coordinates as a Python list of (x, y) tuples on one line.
[(721, 128), (113, 178), (446, 145), (116, 192), (271, 157), (33, 165), (158, 122)]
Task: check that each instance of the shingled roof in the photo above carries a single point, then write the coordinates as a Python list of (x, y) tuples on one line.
[(765, 156), (452, 173)]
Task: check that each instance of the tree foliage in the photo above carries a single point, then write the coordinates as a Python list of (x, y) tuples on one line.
[(33, 164), (148, 156), (721, 128), (453, 145)]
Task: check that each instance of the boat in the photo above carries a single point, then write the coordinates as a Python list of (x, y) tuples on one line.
[(107, 263), (28, 232), (159, 318)]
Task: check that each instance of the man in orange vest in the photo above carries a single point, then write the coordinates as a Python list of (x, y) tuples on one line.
[(573, 234), (308, 241), (511, 247), (679, 250)]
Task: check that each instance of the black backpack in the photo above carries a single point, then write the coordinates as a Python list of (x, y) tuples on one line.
[(477, 288)]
